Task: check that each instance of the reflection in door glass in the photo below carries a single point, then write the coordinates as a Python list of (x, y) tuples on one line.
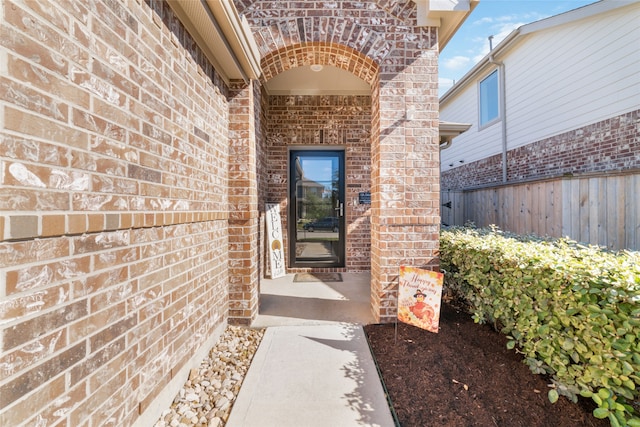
[(318, 212)]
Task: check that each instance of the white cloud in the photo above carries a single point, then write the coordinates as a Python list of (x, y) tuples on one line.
[(524, 17), (480, 55), (456, 63), (444, 84), (500, 32), (505, 29), (482, 21)]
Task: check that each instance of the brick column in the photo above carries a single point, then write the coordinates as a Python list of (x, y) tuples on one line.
[(243, 206), (405, 194)]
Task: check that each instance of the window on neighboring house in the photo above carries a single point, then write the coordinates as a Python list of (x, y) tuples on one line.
[(489, 96)]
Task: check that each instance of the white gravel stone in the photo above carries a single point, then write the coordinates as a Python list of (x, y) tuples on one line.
[(208, 394), (192, 397), (221, 401)]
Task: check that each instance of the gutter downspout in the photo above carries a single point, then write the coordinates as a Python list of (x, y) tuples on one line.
[(446, 144), (503, 108)]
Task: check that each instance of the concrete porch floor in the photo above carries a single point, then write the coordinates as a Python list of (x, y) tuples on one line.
[(284, 302), (313, 367)]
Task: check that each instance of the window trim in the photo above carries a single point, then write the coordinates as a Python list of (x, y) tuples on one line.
[(498, 117)]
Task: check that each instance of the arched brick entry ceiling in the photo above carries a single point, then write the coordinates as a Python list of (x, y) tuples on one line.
[(339, 56), (365, 38)]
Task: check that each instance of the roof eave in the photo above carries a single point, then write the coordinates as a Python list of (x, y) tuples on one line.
[(449, 130), (223, 35), (446, 15)]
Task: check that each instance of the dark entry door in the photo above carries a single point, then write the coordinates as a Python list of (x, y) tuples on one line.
[(316, 213)]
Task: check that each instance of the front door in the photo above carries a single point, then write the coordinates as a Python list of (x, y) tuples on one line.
[(316, 208)]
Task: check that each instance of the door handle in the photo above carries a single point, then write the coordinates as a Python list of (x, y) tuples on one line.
[(341, 209)]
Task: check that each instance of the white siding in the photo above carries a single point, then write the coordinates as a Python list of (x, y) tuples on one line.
[(569, 76), (557, 80), (472, 145)]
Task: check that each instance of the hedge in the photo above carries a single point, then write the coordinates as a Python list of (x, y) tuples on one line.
[(573, 311)]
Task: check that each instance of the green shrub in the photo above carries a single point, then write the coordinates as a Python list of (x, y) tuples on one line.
[(572, 310)]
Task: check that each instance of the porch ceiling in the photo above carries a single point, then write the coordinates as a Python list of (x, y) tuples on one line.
[(329, 80)]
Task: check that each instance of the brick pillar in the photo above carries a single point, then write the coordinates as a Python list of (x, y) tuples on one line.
[(405, 218), (243, 206)]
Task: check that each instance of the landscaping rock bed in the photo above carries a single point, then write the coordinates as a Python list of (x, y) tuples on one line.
[(208, 395)]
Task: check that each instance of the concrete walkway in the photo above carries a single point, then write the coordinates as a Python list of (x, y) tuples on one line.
[(313, 366)]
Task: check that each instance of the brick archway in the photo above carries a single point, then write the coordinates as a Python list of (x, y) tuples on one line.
[(382, 45), (339, 120), (341, 130), (339, 56)]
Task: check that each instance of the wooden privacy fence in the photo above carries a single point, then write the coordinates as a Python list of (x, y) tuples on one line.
[(602, 210)]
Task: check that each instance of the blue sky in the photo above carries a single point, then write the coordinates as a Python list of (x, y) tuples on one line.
[(492, 17)]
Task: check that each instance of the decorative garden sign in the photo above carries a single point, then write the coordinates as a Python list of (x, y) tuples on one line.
[(274, 234), (419, 297)]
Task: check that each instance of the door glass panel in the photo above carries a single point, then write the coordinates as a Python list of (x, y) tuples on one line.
[(317, 215)]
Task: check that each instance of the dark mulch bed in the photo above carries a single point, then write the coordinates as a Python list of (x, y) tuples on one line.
[(465, 376)]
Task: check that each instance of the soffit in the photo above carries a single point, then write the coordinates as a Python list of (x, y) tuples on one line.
[(452, 128), (222, 34)]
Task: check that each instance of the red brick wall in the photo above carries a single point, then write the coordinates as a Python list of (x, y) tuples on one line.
[(609, 145), (243, 204), (332, 120), (113, 209), (119, 213), (406, 192)]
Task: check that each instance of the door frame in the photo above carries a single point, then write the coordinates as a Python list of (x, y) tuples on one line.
[(318, 151)]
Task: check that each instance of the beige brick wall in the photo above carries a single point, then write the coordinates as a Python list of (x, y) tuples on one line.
[(113, 209)]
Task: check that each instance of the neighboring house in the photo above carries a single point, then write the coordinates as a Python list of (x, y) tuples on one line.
[(554, 146), (310, 188), (308, 191), (139, 143)]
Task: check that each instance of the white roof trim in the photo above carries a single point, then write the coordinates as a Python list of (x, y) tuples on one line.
[(449, 130), (575, 15), (446, 15), (239, 35)]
